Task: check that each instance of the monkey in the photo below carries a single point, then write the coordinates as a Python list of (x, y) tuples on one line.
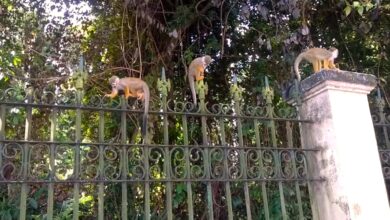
[(320, 58), (132, 87), (196, 72)]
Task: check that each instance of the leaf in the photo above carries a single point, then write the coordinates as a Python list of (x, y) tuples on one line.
[(383, 80), (245, 12), (7, 215), (369, 5), (17, 61), (360, 10), (347, 10), (263, 11), (180, 188), (86, 199), (237, 202), (15, 120), (356, 4), (365, 27), (269, 46), (296, 13), (33, 203), (305, 30), (174, 34)]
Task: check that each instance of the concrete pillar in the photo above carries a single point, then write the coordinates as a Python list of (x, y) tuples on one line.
[(349, 160)]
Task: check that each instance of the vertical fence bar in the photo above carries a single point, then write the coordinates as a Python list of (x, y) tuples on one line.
[(147, 176), (25, 159), (226, 168), (278, 169), (294, 166), (237, 97), (76, 174), (380, 103), (167, 159), (202, 89), (124, 158), (101, 167), (2, 134), (263, 183), (147, 184), (188, 168), (268, 93), (50, 190), (80, 78)]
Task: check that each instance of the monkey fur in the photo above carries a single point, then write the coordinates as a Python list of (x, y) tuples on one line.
[(196, 72), (132, 87), (320, 58)]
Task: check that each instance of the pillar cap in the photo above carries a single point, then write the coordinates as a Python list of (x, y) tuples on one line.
[(336, 80), (338, 76)]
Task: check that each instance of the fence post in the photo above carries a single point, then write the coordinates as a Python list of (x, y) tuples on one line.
[(202, 90), (25, 160), (336, 102), (236, 92), (167, 162), (80, 78)]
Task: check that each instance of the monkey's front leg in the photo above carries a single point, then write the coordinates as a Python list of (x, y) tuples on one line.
[(326, 64), (331, 65), (199, 73), (113, 94)]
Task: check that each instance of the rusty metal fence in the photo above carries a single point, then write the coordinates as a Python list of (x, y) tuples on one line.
[(65, 156)]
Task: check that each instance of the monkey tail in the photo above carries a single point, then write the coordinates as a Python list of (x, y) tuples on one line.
[(296, 66), (144, 125), (146, 109), (192, 87), (185, 76)]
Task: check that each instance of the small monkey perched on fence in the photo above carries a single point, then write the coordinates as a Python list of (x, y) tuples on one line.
[(196, 72), (132, 87), (320, 58)]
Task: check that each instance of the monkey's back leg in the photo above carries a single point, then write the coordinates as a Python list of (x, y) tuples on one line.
[(127, 92), (140, 96), (316, 65)]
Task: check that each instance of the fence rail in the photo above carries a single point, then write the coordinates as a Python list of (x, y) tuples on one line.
[(64, 155)]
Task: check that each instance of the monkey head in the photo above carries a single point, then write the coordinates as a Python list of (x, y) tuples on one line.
[(113, 81), (207, 60), (335, 52)]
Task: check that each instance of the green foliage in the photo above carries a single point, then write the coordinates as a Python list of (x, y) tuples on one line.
[(183, 16), (180, 195), (8, 210), (66, 210), (358, 6), (249, 39)]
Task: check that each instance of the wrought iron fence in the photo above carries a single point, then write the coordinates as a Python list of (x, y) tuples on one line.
[(63, 155), (381, 118)]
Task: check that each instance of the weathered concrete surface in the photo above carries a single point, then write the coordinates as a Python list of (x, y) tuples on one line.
[(337, 103), (338, 76)]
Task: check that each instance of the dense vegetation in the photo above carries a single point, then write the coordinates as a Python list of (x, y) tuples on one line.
[(41, 43), (137, 38)]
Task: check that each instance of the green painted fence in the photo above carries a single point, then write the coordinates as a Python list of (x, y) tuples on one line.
[(380, 111), (63, 156)]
